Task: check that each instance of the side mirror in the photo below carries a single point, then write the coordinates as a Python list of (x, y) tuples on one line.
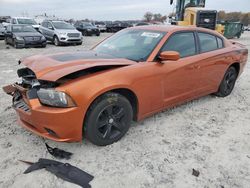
[(169, 56), (51, 28)]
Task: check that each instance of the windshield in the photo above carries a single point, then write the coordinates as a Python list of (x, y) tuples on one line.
[(87, 24), (22, 28), (195, 3), (26, 21), (135, 45), (62, 25), (99, 23)]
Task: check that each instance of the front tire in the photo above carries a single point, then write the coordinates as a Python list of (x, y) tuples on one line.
[(108, 119), (15, 44), (56, 41), (228, 83)]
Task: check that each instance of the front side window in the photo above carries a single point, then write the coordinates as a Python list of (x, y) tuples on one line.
[(49, 26), (208, 42), (136, 45), (184, 43)]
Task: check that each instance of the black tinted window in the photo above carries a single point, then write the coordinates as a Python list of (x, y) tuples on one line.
[(207, 42), (220, 42), (184, 43)]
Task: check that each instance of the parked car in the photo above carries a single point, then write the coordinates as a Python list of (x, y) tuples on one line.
[(25, 21), (87, 29), (2, 31), (117, 26), (21, 36), (101, 26), (129, 76), (142, 24), (247, 29), (60, 32)]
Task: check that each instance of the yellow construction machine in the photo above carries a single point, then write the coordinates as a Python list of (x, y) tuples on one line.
[(193, 12)]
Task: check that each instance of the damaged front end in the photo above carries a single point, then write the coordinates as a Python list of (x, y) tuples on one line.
[(39, 105), (32, 88)]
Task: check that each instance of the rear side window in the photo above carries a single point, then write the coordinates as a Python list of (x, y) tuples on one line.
[(184, 43), (207, 42), (220, 42)]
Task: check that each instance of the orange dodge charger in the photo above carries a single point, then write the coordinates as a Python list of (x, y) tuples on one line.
[(131, 75)]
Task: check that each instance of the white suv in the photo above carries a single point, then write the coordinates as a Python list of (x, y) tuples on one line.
[(60, 32), (23, 20)]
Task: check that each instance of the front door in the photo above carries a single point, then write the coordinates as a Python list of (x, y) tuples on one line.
[(182, 78)]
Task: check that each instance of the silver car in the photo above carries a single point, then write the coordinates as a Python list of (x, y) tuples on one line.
[(2, 31), (60, 32)]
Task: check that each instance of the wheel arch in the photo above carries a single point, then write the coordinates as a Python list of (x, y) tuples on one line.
[(126, 92), (236, 65)]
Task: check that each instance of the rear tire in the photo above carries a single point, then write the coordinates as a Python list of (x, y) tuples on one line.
[(108, 119), (228, 83)]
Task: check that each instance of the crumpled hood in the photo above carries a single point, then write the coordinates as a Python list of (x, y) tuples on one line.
[(54, 67)]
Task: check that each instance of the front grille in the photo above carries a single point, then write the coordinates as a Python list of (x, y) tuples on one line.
[(207, 19), (32, 38), (73, 34), (20, 104)]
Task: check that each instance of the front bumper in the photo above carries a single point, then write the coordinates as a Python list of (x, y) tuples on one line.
[(58, 124), (93, 32), (2, 36), (24, 43), (70, 40)]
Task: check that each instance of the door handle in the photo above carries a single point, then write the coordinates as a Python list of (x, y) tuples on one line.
[(197, 66)]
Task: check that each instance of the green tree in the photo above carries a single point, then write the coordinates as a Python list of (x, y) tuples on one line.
[(148, 16)]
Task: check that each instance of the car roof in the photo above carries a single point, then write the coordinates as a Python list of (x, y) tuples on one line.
[(23, 18), (174, 28)]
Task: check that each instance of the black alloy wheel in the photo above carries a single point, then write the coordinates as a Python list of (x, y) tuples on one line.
[(108, 119), (228, 82)]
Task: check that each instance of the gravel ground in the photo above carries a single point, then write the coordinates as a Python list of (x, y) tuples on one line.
[(209, 134)]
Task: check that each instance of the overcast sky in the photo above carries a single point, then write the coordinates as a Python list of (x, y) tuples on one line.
[(106, 9)]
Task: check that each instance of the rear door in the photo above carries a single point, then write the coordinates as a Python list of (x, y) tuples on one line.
[(213, 59)]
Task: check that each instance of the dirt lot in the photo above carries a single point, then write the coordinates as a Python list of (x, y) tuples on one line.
[(210, 134)]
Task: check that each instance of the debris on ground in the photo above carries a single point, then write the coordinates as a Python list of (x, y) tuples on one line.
[(64, 171), (58, 153), (195, 173)]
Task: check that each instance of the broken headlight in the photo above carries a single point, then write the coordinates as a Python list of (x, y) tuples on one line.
[(55, 98)]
